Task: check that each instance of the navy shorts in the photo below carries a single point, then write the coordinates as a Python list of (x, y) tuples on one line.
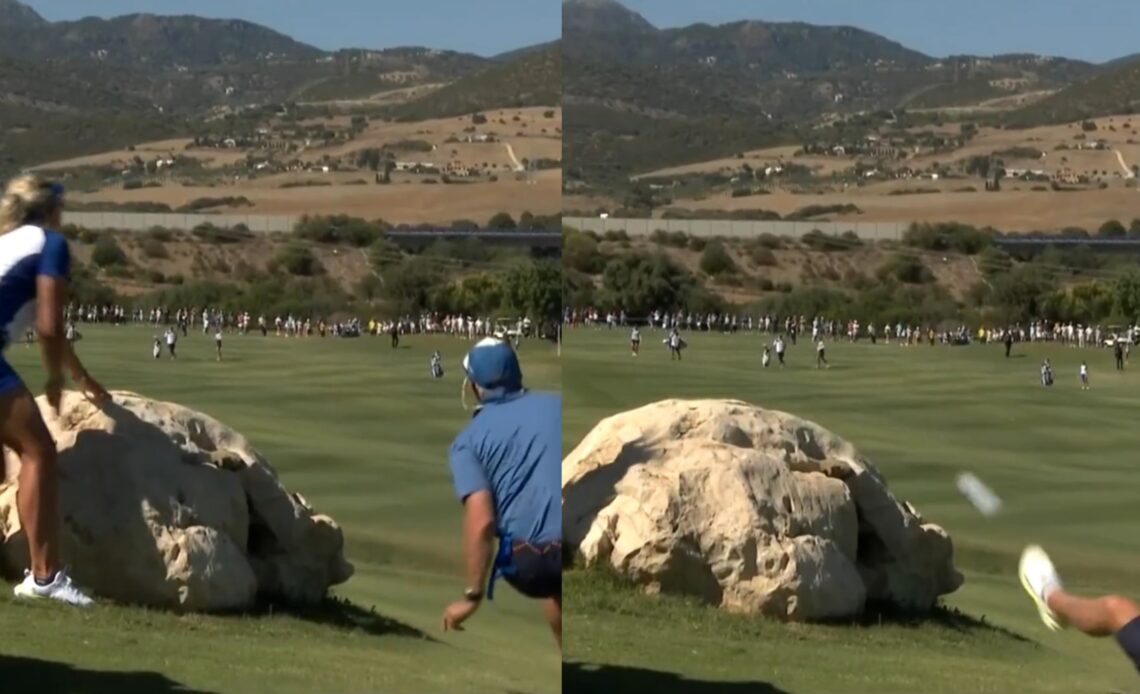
[(9, 379), (1129, 639), (538, 569)]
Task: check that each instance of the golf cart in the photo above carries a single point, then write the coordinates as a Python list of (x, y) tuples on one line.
[(1120, 333)]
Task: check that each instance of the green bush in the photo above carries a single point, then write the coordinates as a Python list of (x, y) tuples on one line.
[(580, 253), (297, 260), (340, 229), (715, 260), (905, 268), (502, 222), (948, 236), (199, 204), (219, 235), (819, 241), (107, 253), (761, 256), (154, 249), (1112, 229), (160, 234), (994, 261)]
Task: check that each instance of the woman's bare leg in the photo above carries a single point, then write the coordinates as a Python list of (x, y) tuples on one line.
[(22, 429)]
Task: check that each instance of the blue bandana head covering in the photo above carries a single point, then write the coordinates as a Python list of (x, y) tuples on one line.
[(494, 367)]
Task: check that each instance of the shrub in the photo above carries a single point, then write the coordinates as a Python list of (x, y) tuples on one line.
[(762, 256), (715, 260), (905, 268), (502, 221), (107, 253), (212, 234), (770, 241), (994, 261), (207, 203), (949, 236), (817, 210), (339, 229), (1112, 229), (298, 260), (160, 234), (154, 249), (817, 240), (580, 253)]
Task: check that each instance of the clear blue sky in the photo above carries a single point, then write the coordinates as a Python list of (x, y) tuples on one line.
[(1096, 31), (483, 27)]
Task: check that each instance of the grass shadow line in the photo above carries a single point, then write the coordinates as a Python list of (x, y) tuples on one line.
[(61, 678), (884, 614), (582, 677), (341, 613)]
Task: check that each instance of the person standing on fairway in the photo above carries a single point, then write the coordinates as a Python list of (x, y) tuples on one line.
[(506, 465), (1108, 615), (1084, 376), (820, 356), (35, 263)]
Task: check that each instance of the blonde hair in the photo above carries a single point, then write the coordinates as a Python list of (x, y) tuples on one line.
[(27, 198)]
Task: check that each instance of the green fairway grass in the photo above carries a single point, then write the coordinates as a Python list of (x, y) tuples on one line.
[(1064, 462), (362, 431)]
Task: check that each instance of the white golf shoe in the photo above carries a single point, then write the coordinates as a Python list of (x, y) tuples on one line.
[(1038, 577), (61, 588)]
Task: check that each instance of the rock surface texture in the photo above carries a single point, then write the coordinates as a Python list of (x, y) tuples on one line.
[(750, 509), (165, 506)]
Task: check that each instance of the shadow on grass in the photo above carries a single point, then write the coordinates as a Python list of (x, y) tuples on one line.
[(886, 614), (617, 592), (340, 613), (580, 677), (62, 678)]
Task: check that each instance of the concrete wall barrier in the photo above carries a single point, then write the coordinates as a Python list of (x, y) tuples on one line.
[(870, 231), (141, 221)]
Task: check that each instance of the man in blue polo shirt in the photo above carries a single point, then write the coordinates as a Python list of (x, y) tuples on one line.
[(506, 468)]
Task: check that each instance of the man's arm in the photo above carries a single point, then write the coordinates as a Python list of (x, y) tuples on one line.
[(478, 535), (474, 491)]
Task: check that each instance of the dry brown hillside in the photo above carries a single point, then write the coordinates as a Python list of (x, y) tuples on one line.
[(154, 263), (763, 266)]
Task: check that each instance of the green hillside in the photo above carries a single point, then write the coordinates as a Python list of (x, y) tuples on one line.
[(533, 79)]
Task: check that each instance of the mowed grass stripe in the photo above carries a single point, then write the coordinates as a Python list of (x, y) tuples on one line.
[(1061, 459)]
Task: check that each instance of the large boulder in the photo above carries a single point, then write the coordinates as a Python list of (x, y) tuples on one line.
[(750, 509), (165, 506)]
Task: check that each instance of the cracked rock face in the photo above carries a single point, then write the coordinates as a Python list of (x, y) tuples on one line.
[(753, 510), (167, 507)]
